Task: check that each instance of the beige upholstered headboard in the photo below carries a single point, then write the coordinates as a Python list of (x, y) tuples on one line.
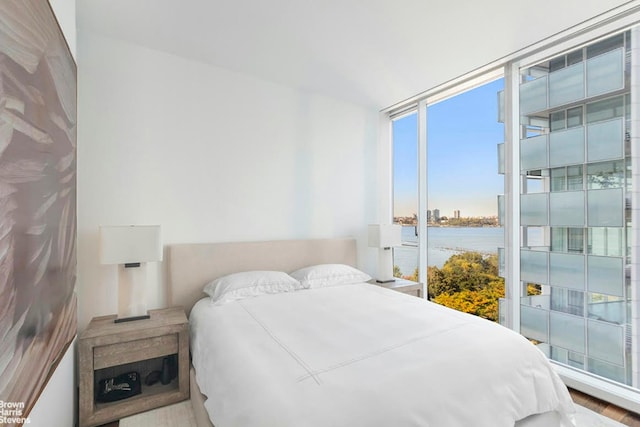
[(192, 265)]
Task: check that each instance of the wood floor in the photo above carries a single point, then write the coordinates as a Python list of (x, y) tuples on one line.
[(603, 408), (606, 409)]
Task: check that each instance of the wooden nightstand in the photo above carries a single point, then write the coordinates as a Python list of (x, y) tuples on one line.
[(107, 349), (404, 286)]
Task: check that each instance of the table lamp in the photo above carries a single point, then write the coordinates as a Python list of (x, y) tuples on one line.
[(131, 247), (384, 237)]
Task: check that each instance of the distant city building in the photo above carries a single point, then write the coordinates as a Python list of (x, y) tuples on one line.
[(456, 214), (429, 216), (436, 215)]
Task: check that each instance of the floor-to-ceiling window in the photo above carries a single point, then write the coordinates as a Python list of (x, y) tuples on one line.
[(463, 183), (571, 251), (405, 194)]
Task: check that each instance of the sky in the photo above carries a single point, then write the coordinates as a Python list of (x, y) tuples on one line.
[(462, 134)]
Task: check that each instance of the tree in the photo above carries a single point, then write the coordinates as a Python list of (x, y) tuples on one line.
[(483, 303), (466, 271), (468, 282)]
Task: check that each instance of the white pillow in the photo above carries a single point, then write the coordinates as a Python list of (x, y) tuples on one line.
[(318, 276), (248, 284)]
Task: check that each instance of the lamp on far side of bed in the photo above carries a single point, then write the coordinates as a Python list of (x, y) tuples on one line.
[(384, 237), (131, 247)]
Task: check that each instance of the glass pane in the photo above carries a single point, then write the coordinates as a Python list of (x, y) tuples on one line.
[(615, 242), (566, 85), (575, 57), (605, 140), (574, 117), (558, 63), (566, 147), (463, 182), (534, 296), (605, 73), (604, 46), (605, 175), (504, 307), (560, 355), (534, 323), (575, 240), (533, 153), (567, 301), (557, 121), (533, 95), (575, 359), (405, 193), (558, 239), (558, 179), (533, 266), (606, 275), (501, 210), (607, 370), (566, 270), (606, 109), (533, 183), (533, 209), (535, 237), (574, 178), (606, 342), (566, 208), (567, 357), (605, 241), (606, 308), (501, 158), (605, 208), (567, 331)]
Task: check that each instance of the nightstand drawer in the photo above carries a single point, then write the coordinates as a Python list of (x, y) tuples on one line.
[(402, 285), (134, 351), (416, 291)]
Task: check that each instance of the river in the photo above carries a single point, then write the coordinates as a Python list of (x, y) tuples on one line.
[(444, 242)]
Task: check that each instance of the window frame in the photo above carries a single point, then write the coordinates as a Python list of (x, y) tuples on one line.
[(616, 21)]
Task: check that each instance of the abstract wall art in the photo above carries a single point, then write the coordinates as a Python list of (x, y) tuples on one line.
[(37, 200)]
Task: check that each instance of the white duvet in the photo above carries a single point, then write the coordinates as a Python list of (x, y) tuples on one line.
[(361, 355)]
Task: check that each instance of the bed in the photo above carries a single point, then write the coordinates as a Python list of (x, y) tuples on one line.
[(352, 354)]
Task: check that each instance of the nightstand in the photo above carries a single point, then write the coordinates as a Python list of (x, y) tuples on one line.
[(107, 349), (404, 286)]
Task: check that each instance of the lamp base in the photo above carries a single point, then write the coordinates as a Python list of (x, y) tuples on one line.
[(131, 319), (385, 281)]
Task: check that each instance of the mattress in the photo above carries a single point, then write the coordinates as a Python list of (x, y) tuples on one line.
[(362, 355)]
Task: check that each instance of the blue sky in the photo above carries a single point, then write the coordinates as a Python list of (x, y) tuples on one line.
[(463, 133)]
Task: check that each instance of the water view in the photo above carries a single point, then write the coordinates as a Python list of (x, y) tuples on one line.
[(445, 242)]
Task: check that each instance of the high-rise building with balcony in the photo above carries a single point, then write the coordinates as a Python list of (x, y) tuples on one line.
[(578, 191)]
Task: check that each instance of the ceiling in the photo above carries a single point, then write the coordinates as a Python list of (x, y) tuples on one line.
[(371, 52)]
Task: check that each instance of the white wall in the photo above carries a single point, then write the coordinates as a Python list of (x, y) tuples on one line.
[(65, 11), (56, 405), (211, 155)]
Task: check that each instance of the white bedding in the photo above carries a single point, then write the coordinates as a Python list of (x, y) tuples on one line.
[(361, 355)]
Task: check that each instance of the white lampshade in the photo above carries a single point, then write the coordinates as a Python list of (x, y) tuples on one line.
[(126, 244), (385, 235)]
